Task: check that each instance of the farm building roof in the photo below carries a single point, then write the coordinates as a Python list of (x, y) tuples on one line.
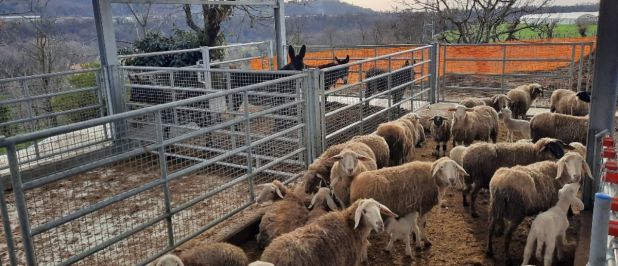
[(561, 18)]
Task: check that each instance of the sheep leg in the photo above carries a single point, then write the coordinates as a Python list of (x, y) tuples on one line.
[(423, 223), (437, 152), (389, 246), (464, 194), (549, 252), (475, 191), (529, 246), (560, 245), (408, 247), (416, 230), (444, 148), (508, 236), (489, 252)]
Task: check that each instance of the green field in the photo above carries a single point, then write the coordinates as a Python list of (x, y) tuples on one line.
[(560, 31)]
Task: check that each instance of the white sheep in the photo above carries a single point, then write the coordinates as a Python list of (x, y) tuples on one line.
[(207, 254), (551, 225), (354, 159), (337, 238), (522, 127), (456, 154), (469, 124), (400, 229)]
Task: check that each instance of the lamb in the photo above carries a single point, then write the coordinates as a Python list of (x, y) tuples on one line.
[(282, 216), (412, 188), (515, 126), (551, 225), (567, 128), (400, 140), (379, 147), (337, 238), (481, 160), (354, 159), (321, 203), (522, 98), (498, 102), (400, 229), (522, 191), (213, 254), (456, 154), (569, 102), (478, 123), (319, 170), (441, 133)]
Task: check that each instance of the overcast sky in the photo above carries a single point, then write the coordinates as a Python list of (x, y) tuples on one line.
[(384, 5)]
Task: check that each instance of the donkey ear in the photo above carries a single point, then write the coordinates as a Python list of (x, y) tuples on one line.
[(347, 58), (301, 54), (291, 52)]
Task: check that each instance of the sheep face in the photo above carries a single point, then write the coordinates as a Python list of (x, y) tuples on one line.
[(438, 120), (583, 96), (368, 211), (348, 161), (460, 111), (506, 113), (448, 173), (323, 195), (568, 193), (169, 260), (313, 181), (574, 166), (502, 101), (268, 194), (536, 90)]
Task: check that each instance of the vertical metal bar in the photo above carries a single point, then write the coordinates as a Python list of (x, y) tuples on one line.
[(605, 85), (164, 173), (591, 55), (298, 113), (228, 85), (444, 73), (271, 62), (319, 80), (503, 67), (389, 84), (580, 67), (361, 96), (174, 98), (101, 94), (249, 151), (308, 115), (30, 112), (280, 33), (206, 65), (600, 226), (433, 82), (20, 204), (6, 224), (572, 65)]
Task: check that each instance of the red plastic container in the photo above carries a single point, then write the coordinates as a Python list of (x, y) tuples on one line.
[(614, 206), (613, 228), (609, 153), (611, 177), (608, 141), (611, 166)]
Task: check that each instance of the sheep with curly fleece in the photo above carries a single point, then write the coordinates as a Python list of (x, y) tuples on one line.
[(353, 160), (470, 124), (498, 102), (569, 102), (213, 254), (522, 191), (481, 160), (567, 128), (522, 98), (441, 133), (337, 238)]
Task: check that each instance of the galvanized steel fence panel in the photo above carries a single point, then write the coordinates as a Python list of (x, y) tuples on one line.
[(158, 182)]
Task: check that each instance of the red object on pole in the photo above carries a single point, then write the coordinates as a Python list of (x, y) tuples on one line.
[(613, 228), (608, 141), (614, 206), (609, 153), (611, 177), (611, 165)]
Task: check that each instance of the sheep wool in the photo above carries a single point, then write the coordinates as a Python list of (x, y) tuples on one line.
[(569, 102), (567, 128), (522, 98)]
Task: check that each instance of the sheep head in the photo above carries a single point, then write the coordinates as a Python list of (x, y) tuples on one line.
[(549, 148), (574, 166), (460, 112), (438, 120), (501, 100), (506, 113), (323, 195), (448, 173), (535, 90), (583, 96), (169, 260), (369, 210), (568, 193), (270, 192), (347, 161), (313, 181)]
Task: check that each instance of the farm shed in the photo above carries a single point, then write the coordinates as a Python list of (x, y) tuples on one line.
[(562, 18)]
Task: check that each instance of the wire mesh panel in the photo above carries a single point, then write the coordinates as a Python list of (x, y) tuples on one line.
[(170, 172), (496, 68), (378, 90)]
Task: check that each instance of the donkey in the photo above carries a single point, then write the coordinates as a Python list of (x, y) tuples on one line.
[(331, 77), (381, 84)]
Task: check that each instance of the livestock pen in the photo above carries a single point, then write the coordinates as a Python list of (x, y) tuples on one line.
[(186, 154)]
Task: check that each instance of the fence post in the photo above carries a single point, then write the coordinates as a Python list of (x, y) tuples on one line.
[(316, 133), (164, 172), (389, 86), (503, 67), (580, 67), (247, 125), (271, 48), (6, 224), (433, 65), (572, 65), (600, 227), (443, 84), (20, 204), (114, 90), (206, 65)]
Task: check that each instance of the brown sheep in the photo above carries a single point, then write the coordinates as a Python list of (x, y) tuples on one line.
[(379, 147), (569, 102), (481, 160), (567, 128), (354, 159), (522, 98), (319, 170), (441, 133), (214, 254), (469, 124), (337, 238), (498, 102), (400, 140), (522, 191)]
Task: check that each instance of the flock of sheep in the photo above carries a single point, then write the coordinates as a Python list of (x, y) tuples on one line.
[(346, 192)]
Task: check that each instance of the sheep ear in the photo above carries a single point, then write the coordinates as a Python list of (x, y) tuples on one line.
[(461, 169), (278, 191), (587, 170), (313, 200), (335, 158), (386, 211), (358, 214), (434, 171), (363, 158), (561, 164), (331, 203)]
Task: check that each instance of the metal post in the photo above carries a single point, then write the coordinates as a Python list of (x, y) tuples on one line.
[(108, 52), (174, 98), (389, 84), (165, 185), (318, 85), (30, 111), (604, 87), (443, 72), (580, 67), (206, 65), (20, 204), (271, 62), (361, 96), (247, 125), (572, 65), (309, 96), (600, 227), (433, 82), (503, 67), (6, 224), (280, 33)]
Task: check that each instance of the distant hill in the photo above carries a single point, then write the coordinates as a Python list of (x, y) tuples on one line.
[(84, 8)]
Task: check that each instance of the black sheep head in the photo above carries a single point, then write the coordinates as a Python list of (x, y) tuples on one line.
[(438, 120), (296, 61), (556, 148), (583, 96)]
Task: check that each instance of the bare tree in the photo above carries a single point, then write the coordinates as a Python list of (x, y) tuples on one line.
[(546, 29), (141, 13), (477, 21)]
